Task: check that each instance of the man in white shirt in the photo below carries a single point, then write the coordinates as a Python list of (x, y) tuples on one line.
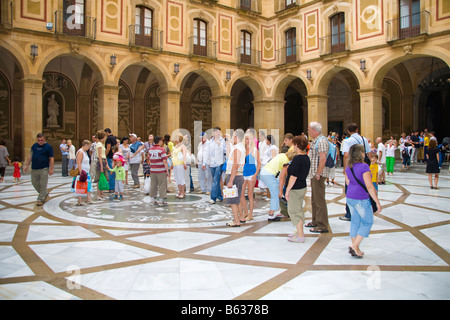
[(381, 150), (204, 174), (215, 159)]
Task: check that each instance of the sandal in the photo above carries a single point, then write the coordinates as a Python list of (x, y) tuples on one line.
[(310, 225), (317, 230), (354, 254), (296, 239), (232, 224)]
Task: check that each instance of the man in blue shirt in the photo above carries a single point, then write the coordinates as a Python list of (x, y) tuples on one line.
[(42, 161)]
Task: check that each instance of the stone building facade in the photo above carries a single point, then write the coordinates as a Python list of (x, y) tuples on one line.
[(68, 68)]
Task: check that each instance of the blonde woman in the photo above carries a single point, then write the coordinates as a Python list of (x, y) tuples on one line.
[(179, 159), (252, 167)]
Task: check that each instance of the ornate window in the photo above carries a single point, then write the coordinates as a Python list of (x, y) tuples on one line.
[(409, 18), (143, 26), (246, 47), (200, 37), (74, 17), (337, 23), (291, 45)]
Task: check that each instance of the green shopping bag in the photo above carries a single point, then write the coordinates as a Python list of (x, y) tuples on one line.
[(103, 184)]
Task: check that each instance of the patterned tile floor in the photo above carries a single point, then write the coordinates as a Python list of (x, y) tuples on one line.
[(133, 250)]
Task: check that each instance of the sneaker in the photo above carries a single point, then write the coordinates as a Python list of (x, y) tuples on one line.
[(162, 203), (116, 197), (211, 201), (121, 197)]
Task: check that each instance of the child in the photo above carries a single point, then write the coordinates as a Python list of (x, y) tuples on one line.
[(17, 165), (406, 155), (374, 169), (119, 170)]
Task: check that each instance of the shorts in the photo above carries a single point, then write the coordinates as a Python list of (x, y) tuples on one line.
[(248, 178), (118, 187), (238, 182)]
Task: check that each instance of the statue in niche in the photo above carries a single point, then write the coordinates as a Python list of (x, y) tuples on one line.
[(53, 112)]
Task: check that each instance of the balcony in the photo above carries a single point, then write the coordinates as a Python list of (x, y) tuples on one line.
[(6, 14), (248, 5), (202, 47), (288, 54), (339, 42), (407, 26), (75, 24), (248, 56), (145, 37)]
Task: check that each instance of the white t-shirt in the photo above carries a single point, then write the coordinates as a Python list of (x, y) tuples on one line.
[(382, 149), (390, 151)]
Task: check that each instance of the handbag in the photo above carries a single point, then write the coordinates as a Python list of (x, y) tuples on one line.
[(372, 202), (74, 171)]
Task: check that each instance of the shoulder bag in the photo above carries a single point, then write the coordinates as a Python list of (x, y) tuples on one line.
[(372, 202)]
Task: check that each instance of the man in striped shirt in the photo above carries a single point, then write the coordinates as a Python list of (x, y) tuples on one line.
[(158, 172)]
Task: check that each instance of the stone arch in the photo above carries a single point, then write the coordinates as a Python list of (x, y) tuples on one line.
[(326, 74), (91, 59), (255, 84), (283, 81), (382, 66), (162, 74), (211, 77), (17, 54)]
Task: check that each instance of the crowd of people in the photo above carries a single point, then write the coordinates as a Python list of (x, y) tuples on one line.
[(232, 168)]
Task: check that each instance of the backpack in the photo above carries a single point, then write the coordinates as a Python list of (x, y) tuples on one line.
[(331, 157)]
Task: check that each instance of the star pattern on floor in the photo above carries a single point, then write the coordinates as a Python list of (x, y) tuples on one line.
[(57, 252)]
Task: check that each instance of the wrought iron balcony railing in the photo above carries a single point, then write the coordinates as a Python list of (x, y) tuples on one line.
[(75, 24), (199, 46), (338, 42), (407, 26), (289, 54), (248, 56), (145, 37)]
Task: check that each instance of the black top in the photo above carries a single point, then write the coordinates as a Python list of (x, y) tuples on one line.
[(112, 141), (299, 168)]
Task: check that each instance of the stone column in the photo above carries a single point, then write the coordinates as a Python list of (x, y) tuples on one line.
[(32, 112), (170, 112), (220, 108), (318, 111), (371, 112), (108, 108), (269, 115)]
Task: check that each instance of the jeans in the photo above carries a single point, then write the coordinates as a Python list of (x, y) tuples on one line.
[(362, 217), (272, 184), (112, 177), (216, 193)]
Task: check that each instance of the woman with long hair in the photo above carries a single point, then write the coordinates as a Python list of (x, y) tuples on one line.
[(432, 156), (358, 177), (251, 170)]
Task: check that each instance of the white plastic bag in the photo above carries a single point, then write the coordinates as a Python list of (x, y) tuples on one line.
[(147, 185), (230, 192)]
